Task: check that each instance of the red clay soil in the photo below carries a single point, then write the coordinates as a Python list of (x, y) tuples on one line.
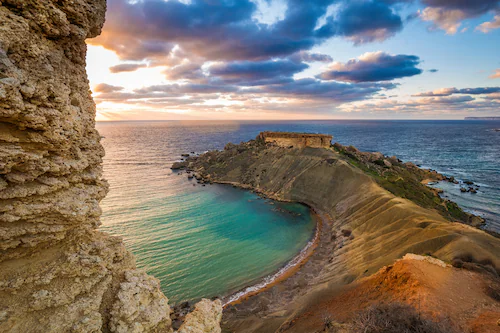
[(435, 291)]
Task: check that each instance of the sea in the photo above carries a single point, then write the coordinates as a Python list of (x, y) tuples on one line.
[(216, 240)]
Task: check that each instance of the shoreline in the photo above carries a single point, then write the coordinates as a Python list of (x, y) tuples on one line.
[(286, 271), (291, 267)]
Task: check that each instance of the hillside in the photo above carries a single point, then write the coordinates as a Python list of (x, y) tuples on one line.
[(369, 227)]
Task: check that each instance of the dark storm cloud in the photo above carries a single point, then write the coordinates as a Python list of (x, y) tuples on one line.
[(226, 30), (373, 67), (126, 68), (455, 91)]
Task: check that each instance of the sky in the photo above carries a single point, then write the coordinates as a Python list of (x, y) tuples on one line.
[(296, 59)]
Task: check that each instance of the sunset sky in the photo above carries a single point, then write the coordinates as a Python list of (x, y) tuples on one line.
[(297, 59)]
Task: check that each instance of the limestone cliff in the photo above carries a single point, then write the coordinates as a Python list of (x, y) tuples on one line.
[(57, 272)]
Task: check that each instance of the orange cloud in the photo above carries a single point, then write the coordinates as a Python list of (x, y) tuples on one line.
[(495, 75)]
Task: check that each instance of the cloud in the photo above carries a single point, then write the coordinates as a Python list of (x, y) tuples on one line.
[(495, 75), (454, 91), (187, 70), (188, 88), (337, 92), (493, 97), (126, 68), (450, 106), (373, 67), (448, 15), (227, 30), (488, 26), (304, 56), (303, 94), (245, 73), (446, 100), (363, 22), (106, 88), (433, 70)]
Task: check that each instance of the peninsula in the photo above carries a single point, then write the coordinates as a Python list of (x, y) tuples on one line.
[(387, 238)]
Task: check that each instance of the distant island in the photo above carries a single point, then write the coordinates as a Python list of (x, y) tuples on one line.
[(482, 118)]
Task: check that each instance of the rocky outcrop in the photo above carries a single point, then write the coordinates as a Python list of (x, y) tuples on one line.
[(296, 140), (57, 272), (204, 319)]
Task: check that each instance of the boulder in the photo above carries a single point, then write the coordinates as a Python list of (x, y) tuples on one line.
[(179, 165), (204, 319)]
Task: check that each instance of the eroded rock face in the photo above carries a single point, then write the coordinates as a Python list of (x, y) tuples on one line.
[(204, 319), (57, 272)]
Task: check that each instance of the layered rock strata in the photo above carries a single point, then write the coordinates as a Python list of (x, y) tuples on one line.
[(57, 272)]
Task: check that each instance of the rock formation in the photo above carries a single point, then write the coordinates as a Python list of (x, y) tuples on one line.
[(57, 272), (296, 140)]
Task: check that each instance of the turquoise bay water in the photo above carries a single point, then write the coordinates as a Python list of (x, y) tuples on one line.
[(213, 240), (198, 241)]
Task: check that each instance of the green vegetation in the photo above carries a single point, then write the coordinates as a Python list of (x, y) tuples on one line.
[(403, 180)]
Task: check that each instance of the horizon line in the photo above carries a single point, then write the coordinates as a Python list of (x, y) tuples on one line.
[(267, 120)]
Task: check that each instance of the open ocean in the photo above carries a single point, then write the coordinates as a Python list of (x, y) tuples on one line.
[(214, 240)]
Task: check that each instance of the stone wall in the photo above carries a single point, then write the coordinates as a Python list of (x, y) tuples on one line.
[(296, 140), (57, 272)]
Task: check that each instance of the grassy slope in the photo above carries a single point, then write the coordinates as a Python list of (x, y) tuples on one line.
[(384, 227)]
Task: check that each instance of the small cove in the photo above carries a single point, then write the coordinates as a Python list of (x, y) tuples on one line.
[(216, 240), (199, 241)]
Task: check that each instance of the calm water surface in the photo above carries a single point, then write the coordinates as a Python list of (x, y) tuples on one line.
[(213, 240)]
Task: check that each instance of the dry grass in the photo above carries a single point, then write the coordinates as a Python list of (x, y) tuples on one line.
[(398, 318), (469, 262)]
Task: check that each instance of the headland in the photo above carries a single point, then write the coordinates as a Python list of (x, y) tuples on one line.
[(379, 211)]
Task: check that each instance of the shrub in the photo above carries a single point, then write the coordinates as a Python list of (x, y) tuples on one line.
[(346, 233), (458, 263), (328, 321), (467, 261), (493, 292), (398, 318)]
